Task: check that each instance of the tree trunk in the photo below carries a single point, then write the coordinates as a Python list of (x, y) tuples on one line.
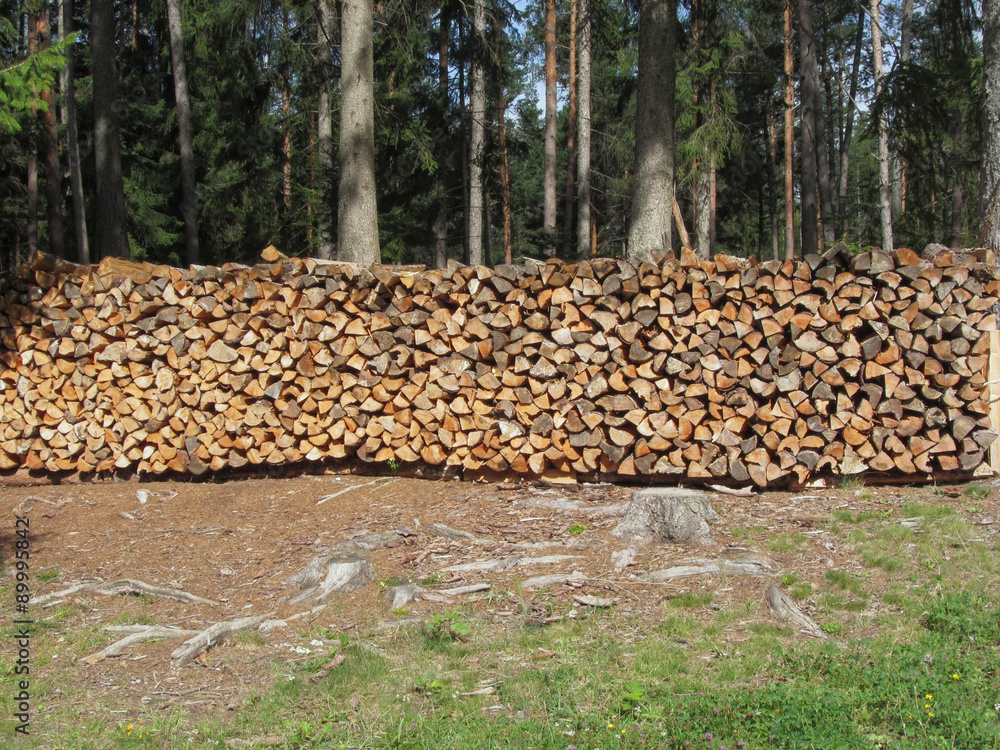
[(824, 149), (357, 226), (772, 177), (310, 227), (324, 132), (700, 188), (477, 134), (50, 138), (571, 131), (884, 190), (845, 144), (682, 232), (898, 165), (583, 242), (653, 183), (463, 140), (809, 76), (286, 126), (189, 201), (73, 140), (713, 194), (441, 220), (957, 190), (989, 216), (549, 174), (286, 149), (789, 136), (505, 207), (111, 215), (702, 212), (31, 183)]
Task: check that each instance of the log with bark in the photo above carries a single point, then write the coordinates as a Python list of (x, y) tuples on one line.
[(721, 371)]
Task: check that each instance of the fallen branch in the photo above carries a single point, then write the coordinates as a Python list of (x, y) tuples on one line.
[(353, 487), (210, 636)]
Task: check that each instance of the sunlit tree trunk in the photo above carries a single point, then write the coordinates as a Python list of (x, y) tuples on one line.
[(583, 220), (772, 172), (653, 182), (989, 194), (324, 131), (884, 187), (189, 201), (845, 144), (700, 187), (286, 126), (571, 129), (444, 104), (809, 74), (357, 225), (898, 165), (789, 136), (549, 174), (477, 134), (505, 206)]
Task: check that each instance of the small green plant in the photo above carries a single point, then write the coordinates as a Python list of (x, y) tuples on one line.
[(44, 576), (433, 579), (400, 612), (448, 626), (632, 697), (788, 579), (393, 465), (577, 528), (429, 686), (832, 628), (977, 491)]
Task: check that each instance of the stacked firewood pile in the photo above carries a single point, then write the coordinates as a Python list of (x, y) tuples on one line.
[(719, 370)]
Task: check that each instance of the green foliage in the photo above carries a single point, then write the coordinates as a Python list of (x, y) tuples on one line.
[(632, 697), (22, 81), (577, 528), (964, 617), (448, 626)]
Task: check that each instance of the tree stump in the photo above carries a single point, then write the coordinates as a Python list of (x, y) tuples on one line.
[(667, 514)]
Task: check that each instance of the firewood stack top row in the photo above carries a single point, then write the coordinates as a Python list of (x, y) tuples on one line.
[(722, 371)]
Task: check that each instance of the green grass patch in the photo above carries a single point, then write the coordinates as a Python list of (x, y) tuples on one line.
[(690, 600), (787, 542)]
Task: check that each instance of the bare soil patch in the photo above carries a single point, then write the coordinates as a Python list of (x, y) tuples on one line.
[(237, 543)]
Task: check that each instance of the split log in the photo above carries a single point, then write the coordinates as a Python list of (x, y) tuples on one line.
[(722, 372)]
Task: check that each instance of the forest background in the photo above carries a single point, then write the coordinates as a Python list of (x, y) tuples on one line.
[(200, 132)]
